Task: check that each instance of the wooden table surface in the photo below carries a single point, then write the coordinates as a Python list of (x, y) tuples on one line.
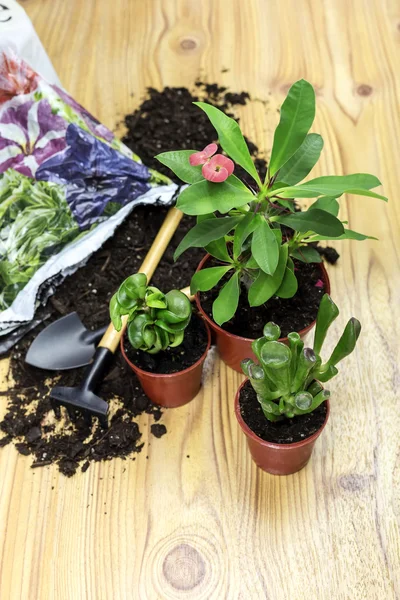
[(212, 526)]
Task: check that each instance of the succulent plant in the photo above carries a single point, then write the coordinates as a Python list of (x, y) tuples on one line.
[(288, 379), (156, 321)]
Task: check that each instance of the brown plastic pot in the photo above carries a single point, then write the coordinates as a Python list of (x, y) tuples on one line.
[(175, 389), (278, 459), (234, 348)]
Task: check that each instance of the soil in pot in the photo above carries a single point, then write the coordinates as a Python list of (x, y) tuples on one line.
[(176, 359), (287, 431), (291, 314)]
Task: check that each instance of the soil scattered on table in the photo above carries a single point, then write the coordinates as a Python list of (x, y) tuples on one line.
[(176, 359), (287, 431), (291, 314), (29, 422)]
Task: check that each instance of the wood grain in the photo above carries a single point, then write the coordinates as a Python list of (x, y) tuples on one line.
[(212, 526)]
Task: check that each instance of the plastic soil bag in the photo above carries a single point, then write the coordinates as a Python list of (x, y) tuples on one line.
[(66, 183)]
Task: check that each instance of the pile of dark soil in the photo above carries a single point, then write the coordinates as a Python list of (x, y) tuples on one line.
[(168, 120), (176, 359), (29, 423), (292, 314), (281, 432)]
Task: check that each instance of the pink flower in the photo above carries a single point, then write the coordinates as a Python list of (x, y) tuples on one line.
[(218, 168), (319, 284), (215, 168), (199, 158)]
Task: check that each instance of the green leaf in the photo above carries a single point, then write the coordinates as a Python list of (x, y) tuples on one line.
[(320, 221), (301, 163), (328, 203), (205, 232), (297, 116), (334, 185), (219, 249), (327, 313), (206, 279), (271, 332), (178, 303), (246, 226), (303, 400), (225, 305), (236, 182), (265, 286), (264, 246), (115, 314), (156, 300), (178, 162), (307, 254), (347, 235), (289, 285), (252, 263), (347, 342), (136, 328), (231, 138), (205, 197)]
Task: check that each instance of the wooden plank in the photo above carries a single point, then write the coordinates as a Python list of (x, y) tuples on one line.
[(212, 526)]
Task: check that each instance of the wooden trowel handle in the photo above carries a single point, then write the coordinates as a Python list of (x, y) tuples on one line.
[(112, 337)]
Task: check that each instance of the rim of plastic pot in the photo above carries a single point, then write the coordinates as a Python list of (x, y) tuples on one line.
[(214, 325), (293, 445), (168, 375)]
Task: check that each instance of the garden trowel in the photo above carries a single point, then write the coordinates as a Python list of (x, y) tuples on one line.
[(83, 398), (64, 344)]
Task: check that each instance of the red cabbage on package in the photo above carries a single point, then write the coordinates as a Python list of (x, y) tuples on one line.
[(66, 183)]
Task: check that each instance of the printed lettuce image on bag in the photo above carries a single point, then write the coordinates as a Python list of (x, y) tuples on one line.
[(66, 183)]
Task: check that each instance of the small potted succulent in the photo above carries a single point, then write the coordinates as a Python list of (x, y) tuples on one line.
[(261, 263), (165, 344), (283, 407)]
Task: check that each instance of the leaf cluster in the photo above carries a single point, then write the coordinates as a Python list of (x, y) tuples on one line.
[(241, 226), (288, 379), (35, 222), (156, 321)]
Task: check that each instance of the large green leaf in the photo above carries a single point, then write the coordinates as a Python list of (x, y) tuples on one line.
[(301, 163), (231, 138), (289, 285), (206, 279), (297, 116), (328, 203), (205, 197), (178, 162), (225, 305), (219, 249), (246, 226), (320, 221), (265, 286), (331, 185), (347, 235), (205, 232), (264, 246)]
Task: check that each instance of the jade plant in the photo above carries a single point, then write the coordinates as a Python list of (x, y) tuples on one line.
[(156, 321), (288, 379), (240, 224)]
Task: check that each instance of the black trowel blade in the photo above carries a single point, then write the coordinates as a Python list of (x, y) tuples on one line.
[(64, 344)]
